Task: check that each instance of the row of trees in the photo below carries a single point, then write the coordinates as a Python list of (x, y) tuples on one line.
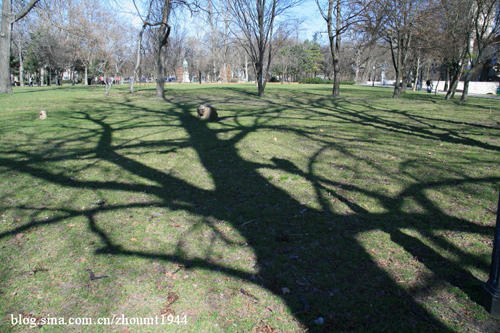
[(413, 39), (457, 35), (75, 36)]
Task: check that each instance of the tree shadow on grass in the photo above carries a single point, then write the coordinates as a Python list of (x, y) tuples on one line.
[(320, 254)]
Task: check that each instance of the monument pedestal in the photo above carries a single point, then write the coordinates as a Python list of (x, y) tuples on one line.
[(185, 78)]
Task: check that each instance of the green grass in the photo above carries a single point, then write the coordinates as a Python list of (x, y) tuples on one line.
[(377, 213)]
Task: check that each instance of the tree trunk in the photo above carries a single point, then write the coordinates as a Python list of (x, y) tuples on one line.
[(5, 36), (260, 79), (160, 83), (447, 78), (417, 69), (465, 93), (358, 61), (137, 60), (453, 88), (163, 34), (455, 78), (395, 94), (21, 65), (8, 19), (404, 83), (396, 60), (246, 68), (336, 54), (336, 79)]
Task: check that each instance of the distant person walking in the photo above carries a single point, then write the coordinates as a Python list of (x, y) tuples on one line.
[(429, 86)]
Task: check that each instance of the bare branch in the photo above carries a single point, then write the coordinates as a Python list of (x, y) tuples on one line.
[(25, 10)]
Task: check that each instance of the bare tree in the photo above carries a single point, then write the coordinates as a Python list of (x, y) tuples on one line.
[(339, 15), (162, 33), (485, 21), (286, 59), (199, 55), (158, 17), (255, 21), (455, 37), (176, 51), (8, 19), (145, 20), (219, 42), (20, 39), (400, 18)]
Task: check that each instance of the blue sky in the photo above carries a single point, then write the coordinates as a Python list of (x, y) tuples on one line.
[(313, 21)]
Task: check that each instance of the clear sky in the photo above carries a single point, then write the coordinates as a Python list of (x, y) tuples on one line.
[(308, 12), (313, 22)]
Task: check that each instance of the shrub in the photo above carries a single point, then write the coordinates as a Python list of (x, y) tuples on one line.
[(312, 80)]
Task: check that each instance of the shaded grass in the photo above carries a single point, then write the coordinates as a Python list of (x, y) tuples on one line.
[(376, 213)]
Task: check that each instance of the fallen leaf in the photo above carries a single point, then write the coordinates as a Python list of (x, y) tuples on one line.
[(134, 239), (275, 139), (19, 235), (71, 225)]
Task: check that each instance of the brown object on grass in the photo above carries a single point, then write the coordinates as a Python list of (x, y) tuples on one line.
[(93, 277), (207, 112)]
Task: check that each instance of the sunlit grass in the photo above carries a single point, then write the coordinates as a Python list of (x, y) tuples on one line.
[(376, 213)]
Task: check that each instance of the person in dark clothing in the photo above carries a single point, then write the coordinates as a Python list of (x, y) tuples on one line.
[(429, 86)]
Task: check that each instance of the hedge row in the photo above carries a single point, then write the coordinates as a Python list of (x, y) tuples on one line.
[(318, 80)]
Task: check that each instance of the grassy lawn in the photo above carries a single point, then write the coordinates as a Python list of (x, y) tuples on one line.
[(371, 213)]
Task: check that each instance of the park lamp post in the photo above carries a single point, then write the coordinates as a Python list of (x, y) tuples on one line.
[(492, 286), (373, 76)]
